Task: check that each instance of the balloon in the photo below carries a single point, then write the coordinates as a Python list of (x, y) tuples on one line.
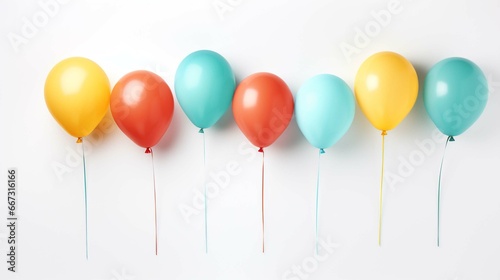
[(262, 108), (386, 88), (142, 106), (77, 95), (455, 94), (324, 108), (204, 86)]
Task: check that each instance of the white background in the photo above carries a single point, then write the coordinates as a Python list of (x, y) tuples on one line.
[(295, 40)]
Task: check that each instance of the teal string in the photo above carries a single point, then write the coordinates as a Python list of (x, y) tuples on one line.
[(449, 139), (321, 151), (205, 188), (86, 201)]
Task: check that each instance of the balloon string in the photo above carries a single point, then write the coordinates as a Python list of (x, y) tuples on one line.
[(205, 188), (155, 200), (261, 150), (449, 139), (80, 140), (321, 151), (384, 133)]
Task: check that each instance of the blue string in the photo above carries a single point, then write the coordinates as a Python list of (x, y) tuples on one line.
[(321, 151), (205, 188), (450, 138), (86, 202)]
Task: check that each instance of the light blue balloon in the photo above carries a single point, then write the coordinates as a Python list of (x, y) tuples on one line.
[(455, 94), (324, 108), (204, 87)]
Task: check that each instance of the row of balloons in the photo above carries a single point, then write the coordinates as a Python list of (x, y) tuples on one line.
[(77, 93)]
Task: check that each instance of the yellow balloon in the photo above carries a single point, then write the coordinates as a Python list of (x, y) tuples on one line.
[(386, 88), (77, 93)]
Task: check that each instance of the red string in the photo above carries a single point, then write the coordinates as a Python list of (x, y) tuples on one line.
[(150, 151), (261, 150)]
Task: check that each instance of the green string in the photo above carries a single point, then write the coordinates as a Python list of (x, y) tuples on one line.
[(449, 139)]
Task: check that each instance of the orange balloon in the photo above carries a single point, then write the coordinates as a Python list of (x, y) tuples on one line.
[(142, 106), (262, 108)]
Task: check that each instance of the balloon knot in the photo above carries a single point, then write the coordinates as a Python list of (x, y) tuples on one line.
[(201, 130), (148, 150), (451, 139), (321, 151), (79, 140), (261, 150), (384, 133)]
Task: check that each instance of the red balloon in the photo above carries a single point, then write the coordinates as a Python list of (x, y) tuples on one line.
[(142, 106), (262, 108)]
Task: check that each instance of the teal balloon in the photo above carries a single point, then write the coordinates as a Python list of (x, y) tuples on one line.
[(204, 87), (324, 109), (455, 94)]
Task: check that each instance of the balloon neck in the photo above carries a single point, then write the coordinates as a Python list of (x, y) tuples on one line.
[(384, 132), (321, 151), (79, 140), (261, 150), (451, 139), (201, 130), (148, 150)]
